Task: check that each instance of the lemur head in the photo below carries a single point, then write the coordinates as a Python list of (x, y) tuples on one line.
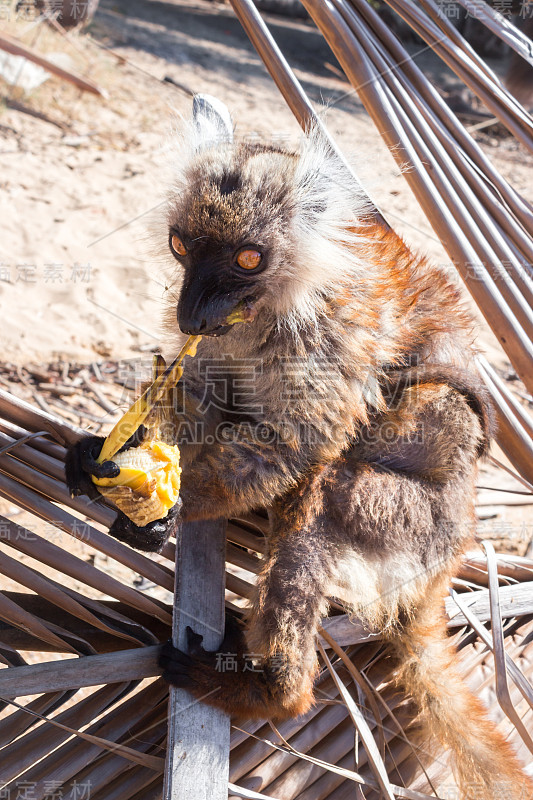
[(255, 225)]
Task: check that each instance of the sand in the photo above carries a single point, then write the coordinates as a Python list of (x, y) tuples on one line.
[(76, 275)]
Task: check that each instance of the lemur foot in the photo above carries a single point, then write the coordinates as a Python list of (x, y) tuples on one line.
[(81, 464), (244, 685), (191, 670)]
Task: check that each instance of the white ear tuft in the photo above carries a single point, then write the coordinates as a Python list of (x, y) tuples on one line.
[(212, 121)]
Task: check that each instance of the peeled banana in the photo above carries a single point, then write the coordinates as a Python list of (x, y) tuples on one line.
[(148, 483)]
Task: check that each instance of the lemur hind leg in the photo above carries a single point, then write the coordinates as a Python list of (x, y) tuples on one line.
[(269, 672)]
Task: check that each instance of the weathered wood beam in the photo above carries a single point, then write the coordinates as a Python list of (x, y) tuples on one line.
[(197, 765), (126, 665)]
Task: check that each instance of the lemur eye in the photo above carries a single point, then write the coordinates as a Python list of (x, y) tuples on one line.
[(249, 258), (177, 246)]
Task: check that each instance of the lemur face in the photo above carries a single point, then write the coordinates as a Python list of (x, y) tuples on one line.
[(228, 233), (218, 276), (260, 226)]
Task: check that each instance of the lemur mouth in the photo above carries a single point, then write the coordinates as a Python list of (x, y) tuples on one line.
[(244, 311), (220, 330)]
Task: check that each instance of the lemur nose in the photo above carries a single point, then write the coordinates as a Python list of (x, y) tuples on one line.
[(195, 329)]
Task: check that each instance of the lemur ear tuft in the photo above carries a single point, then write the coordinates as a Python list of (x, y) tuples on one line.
[(212, 122), (313, 193)]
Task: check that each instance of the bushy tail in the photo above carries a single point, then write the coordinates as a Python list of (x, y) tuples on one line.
[(485, 765)]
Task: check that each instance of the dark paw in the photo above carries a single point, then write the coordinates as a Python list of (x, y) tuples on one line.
[(81, 464), (150, 538), (178, 667), (198, 668)]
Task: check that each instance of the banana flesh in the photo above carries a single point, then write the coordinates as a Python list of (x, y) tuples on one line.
[(148, 484)]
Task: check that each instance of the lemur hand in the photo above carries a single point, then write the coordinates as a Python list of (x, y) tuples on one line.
[(81, 464)]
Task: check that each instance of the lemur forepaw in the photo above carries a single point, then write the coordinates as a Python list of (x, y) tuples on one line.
[(150, 538), (81, 464)]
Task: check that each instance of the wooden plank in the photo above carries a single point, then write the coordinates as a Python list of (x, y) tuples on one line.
[(516, 600), (52, 676), (197, 765), (142, 662)]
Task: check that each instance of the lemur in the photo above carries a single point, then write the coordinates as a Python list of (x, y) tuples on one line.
[(361, 436)]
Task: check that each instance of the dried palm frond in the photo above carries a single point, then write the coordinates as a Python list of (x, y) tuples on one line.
[(110, 691)]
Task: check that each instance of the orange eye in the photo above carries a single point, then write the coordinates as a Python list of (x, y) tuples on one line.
[(178, 246), (249, 259)]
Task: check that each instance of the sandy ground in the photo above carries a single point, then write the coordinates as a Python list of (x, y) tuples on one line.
[(78, 190), (76, 275)]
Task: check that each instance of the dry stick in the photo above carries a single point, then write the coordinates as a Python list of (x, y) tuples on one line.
[(253, 753), (502, 686), (501, 26), (488, 89), (525, 419), (198, 735), (491, 246), (106, 404), (518, 677), (512, 437), (18, 755), (513, 246), (515, 601), (515, 475), (48, 553), (75, 754), (478, 161), (33, 458), (54, 489), (269, 769), (117, 667), (22, 413), (286, 81), (518, 568), (18, 49), (40, 443), (42, 508), (481, 231), (427, 190)]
